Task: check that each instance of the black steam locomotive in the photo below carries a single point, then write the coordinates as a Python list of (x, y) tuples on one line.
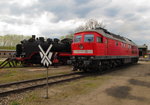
[(28, 52)]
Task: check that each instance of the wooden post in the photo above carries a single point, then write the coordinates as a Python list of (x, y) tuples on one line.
[(47, 84)]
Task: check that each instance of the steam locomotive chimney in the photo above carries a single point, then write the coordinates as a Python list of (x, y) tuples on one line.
[(56, 40), (33, 36)]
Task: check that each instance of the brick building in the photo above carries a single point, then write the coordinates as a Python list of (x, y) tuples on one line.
[(6, 53)]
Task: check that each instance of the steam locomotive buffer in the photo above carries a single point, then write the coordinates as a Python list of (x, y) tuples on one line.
[(100, 50)]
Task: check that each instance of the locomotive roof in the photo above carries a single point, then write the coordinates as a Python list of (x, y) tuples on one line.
[(110, 35)]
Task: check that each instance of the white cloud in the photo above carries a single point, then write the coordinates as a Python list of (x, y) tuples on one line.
[(23, 3), (39, 25), (58, 17)]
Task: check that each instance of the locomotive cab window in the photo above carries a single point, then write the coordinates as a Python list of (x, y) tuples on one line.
[(77, 38), (99, 39), (117, 43), (89, 38), (106, 41)]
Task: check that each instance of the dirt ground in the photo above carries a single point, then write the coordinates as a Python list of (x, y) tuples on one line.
[(129, 86), (126, 86)]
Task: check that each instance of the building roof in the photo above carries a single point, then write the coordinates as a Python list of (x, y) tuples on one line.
[(142, 46)]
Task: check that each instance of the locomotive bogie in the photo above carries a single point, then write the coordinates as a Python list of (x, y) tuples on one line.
[(88, 64)]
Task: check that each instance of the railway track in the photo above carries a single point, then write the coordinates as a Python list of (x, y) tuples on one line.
[(21, 86)]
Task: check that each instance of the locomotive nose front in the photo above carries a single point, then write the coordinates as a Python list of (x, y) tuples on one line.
[(83, 44), (83, 50)]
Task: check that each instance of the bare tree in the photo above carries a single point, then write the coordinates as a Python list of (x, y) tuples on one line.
[(90, 24)]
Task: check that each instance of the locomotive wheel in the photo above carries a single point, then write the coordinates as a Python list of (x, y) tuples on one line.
[(108, 65), (25, 64), (105, 65), (111, 64), (100, 67)]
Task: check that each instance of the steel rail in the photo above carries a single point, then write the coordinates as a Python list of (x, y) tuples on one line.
[(34, 80), (18, 90)]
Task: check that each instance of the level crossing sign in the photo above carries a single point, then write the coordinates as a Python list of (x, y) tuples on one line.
[(46, 61), (46, 56)]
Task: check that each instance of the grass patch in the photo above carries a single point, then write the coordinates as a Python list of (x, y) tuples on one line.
[(15, 103), (8, 47), (31, 97), (66, 91), (18, 74)]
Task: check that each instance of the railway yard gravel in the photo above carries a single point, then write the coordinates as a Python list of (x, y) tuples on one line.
[(125, 86)]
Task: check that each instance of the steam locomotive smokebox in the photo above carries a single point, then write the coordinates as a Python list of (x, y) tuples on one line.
[(18, 50)]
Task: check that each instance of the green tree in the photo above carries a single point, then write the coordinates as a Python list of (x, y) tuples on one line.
[(11, 40)]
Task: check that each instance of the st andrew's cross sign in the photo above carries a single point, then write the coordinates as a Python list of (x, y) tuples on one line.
[(46, 56)]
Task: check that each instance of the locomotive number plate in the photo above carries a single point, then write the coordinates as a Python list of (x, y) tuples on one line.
[(83, 51)]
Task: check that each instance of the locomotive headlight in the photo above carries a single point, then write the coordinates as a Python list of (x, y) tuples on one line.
[(73, 57), (81, 46), (91, 58)]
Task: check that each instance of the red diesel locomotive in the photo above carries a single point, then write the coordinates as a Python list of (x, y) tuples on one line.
[(100, 50)]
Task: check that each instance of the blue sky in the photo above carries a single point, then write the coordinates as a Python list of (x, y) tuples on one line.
[(54, 18)]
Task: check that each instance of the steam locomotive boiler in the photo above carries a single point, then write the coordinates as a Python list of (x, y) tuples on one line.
[(28, 52)]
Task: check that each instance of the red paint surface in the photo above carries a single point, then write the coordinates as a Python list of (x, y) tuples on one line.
[(104, 48)]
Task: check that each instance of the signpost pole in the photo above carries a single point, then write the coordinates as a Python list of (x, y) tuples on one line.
[(45, 60), (47, 84)]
